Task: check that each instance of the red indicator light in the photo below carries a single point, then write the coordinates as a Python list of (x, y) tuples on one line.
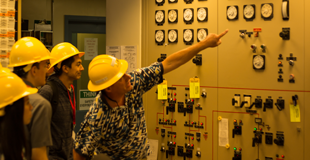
[(201, 123)]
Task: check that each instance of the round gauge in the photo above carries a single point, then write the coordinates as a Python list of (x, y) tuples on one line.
[(159, 36), (159, 16), (266, 10), (159, 1), (172, 15), (202, 14), (232, 12), (188, 14), (202, 34), (173, 1), (248, 11), (172, 35), (258, 62), (188, 35)]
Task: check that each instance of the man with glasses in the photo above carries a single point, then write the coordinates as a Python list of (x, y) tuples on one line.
[(31, 60)]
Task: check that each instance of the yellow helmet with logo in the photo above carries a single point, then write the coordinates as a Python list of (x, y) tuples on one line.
[(12, 89), (64, 51), (28, 50), (104, 71)]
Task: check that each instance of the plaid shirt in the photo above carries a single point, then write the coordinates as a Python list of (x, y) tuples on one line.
[(121, 131)]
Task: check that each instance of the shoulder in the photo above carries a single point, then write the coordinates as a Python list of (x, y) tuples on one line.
[(47, 92), (39, 103)]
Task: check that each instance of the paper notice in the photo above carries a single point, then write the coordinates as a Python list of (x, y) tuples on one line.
[(223, 132), (295, 113), (154, 149)]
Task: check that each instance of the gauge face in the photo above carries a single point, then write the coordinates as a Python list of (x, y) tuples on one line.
[(172, 16), (266, 10), (248, 11), (202, 34), (232, 12), (172, 36), (172, 1), (159, 16), (188, 14), (202, 14), (159, 36), (258, 62), (159, 1), (188, 35)]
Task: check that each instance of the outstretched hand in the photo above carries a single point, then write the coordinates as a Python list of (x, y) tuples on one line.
[(213, 40)]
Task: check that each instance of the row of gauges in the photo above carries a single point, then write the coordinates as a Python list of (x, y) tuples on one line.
[(249, 11), (161, 2), (188, 36), (188, 15)]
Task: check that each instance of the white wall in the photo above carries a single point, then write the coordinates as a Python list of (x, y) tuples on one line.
[(36, 10), (74, 7), (123, 19)]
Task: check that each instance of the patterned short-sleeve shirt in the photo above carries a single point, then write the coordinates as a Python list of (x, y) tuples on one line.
[(121, 131)]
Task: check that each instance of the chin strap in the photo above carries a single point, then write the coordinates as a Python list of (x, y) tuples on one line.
[(110, 98)]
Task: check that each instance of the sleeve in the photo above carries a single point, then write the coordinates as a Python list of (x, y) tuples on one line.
[(41, 124), (89, 136), (46, 92), (144, 79)]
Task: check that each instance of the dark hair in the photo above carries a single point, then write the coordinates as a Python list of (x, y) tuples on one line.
[(19, 71), (67, 62), (12, 133)]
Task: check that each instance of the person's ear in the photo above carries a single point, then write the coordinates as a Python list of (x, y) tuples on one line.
[(65, 69), (33, 70)]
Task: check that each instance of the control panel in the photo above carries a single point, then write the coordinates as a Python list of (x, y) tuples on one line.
[(245, 99)]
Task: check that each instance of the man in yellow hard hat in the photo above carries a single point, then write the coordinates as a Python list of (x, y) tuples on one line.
[(59, 91), (115, 123), (30, 61)]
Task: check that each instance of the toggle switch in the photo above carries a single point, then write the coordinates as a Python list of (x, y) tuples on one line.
[(285, 34), (253, 47), (263, 47)]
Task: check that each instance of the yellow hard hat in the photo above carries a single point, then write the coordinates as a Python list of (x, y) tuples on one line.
[(28, 50), (104, 71), (12, 89), (4, 70), (63, 51)]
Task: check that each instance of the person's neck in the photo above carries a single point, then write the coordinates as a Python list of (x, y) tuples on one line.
[(31, 80), (65, 80), (120, 99)]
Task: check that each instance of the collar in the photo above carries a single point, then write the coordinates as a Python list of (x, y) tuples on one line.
[(28, 83)]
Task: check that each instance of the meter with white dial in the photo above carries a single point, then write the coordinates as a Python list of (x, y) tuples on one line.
[(173, 36), (173, 16), (232, 12), (259, 62), (188, 15), (160, 37), (160, 2), (188, 36), (267, 11), (249, 12), (201, 34), (172, 1), (202, 14), (160, 17)]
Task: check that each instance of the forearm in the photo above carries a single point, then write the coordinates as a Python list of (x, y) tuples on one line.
[(77, 156), (179, 58), (39, 153)]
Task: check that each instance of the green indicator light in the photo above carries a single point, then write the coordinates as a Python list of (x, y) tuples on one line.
[(255, 129), (235, 148)]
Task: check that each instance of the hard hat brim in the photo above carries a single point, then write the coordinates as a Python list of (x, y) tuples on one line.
[(94, 88), (66, 57), (31, 62), (26, 93)]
